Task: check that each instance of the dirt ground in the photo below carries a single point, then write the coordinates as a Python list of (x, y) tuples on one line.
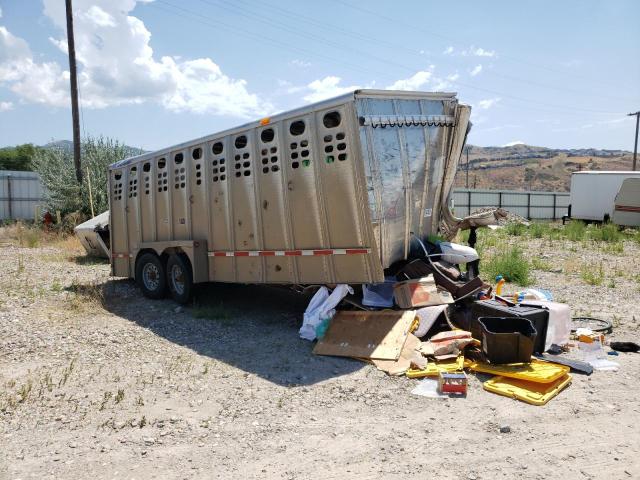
[(98, 382)]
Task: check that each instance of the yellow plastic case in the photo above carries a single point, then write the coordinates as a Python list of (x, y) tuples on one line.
[(530, 392), (433, 369), (536, 371)]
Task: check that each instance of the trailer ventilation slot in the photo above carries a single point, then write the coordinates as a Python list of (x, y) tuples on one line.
[(407, 120)]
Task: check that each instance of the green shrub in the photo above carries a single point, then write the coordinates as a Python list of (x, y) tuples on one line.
[(607, 232), (538, 230), (515, 229), (511, 264), (575, 230), (57, 171)]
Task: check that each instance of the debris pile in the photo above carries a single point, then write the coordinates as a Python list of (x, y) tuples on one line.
[(433, 320)]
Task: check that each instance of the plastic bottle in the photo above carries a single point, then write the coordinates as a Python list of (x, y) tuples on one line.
[(501, 281)]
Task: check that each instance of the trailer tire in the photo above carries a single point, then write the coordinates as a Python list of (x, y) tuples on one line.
[(179, 278), (151, 276)]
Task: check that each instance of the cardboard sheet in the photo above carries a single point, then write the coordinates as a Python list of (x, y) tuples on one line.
[(369, 335), (408, 355)]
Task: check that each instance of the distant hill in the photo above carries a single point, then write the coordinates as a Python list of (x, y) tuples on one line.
[(527, 167)]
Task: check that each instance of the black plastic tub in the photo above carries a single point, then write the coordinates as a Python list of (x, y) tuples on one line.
[(507, 339)]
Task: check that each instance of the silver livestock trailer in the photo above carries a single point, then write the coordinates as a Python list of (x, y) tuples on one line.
[(334, 192)]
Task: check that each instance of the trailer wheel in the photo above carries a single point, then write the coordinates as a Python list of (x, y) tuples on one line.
[(150, 275), (179, 278)]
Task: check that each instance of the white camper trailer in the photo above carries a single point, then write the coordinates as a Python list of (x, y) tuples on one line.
[(593, 194)]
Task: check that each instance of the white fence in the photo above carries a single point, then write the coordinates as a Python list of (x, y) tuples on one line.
[(528, 204), (20, 194)]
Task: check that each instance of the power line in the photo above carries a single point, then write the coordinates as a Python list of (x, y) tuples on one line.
[(216, 23), (635, 145)]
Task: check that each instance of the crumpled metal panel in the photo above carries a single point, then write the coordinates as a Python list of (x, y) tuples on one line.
[(406, 145)]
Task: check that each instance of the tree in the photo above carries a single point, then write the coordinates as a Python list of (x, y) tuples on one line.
[(57, 171), (17, 158)]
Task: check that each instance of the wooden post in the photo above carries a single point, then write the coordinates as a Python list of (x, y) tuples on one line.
[(90, 195), (554, 206), (73, 77)]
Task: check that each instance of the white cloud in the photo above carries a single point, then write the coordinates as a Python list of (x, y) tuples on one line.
[(327, 87), (476, 70), (117, 66), (448, 50), (514, 143), (414, 82), (478, 52), (488, 103), (300, 63), (6, 106)]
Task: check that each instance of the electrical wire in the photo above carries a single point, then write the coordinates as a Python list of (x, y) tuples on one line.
[(216, 23)]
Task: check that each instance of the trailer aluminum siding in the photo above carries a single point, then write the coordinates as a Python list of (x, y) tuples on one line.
[(330, 193)]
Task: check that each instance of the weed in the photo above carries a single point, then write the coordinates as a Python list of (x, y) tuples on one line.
[(143, 421), (611, 284), (591, 275), (614, 247), (86, 296), (119, 396), (67, 372), (56, 286), (139, 401), (205, 370), (537, 230), (511, 264), (607, 232), (539, 264), (575, 230), (515, 229), (107, 396), (24, 391)]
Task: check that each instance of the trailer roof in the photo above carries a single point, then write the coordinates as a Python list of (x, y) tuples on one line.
[(339, 100)]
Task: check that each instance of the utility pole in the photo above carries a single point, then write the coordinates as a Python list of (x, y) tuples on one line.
[(74, 92), (467, 182), (635, 147)]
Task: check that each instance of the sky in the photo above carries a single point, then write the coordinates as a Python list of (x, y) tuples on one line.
[(153, 73)]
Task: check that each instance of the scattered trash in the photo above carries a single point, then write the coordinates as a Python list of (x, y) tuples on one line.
[(532, 294), (507, 340), (452, 383), (428, 388), (574, 365), (408, 356), (427, 317), (529, 392), (433, 369), (501, 307), (537, 371), (321, 309), (595, 324), (379, 294), (625, 347), (366, 335), (420, 292)]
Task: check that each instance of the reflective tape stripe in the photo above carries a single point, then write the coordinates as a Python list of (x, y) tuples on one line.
[(627, 208), (121, 255), (292, 253)]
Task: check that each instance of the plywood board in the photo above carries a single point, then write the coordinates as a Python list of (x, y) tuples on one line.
[(370, 335)]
